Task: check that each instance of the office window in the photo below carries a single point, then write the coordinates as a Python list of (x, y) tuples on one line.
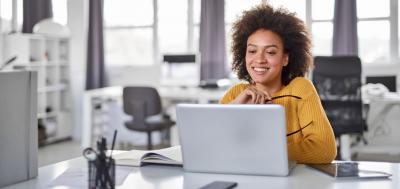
[(60, 14), (234, 9), (129, 46), (374, 31), (173, 26), (322, 12), (322, 34), (194, 28), (374, 41), (129, 27), (6, 15), (397, 42), (297, 6), (380, 10), (59, 8), (138, 32)]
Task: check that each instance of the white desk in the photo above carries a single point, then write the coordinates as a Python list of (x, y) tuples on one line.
[(379, 107), (383, 133), (172, 94), (379, 131), (159, 177)]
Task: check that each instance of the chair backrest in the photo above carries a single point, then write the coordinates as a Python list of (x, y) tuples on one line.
[(141, 102), (389, 81), (338, 83)]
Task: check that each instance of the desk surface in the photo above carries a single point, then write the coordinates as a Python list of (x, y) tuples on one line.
[(153, 176)]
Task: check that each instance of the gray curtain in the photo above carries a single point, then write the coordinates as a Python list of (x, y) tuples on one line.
[(35, 11), (345, 28), (212, 40), (95, 69)]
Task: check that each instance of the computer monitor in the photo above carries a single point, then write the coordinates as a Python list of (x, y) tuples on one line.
[(388, 81), (180, 70)]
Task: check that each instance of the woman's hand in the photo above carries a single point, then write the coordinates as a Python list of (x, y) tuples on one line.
[(252, 95)]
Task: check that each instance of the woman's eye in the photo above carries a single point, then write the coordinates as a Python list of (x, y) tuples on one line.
[(251, 51), (271, 52)]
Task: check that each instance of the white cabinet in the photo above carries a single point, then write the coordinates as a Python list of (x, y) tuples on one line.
[(49, 56)]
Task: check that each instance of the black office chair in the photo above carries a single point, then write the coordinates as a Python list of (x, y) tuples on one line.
[(144, 105), (338, 83)]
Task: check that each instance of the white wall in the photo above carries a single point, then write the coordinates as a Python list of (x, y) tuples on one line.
[(134, 75), (78, 22)]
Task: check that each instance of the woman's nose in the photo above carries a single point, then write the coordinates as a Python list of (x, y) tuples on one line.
[(260, 58)]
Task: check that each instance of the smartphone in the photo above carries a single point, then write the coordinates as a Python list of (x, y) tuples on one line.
[(220, 185)]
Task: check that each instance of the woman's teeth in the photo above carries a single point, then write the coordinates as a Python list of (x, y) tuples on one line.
[(260, 69)]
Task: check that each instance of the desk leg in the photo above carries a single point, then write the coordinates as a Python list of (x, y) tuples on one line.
[(87, 121), (377, 125), (345, 151)]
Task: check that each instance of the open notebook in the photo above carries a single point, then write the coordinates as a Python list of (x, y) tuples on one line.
[(167, 156)]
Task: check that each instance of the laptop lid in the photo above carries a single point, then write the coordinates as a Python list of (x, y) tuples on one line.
[(239, 139)]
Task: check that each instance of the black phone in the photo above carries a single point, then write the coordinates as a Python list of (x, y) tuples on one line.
[(220, 185)]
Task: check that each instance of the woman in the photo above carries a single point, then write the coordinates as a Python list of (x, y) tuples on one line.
[(271, 51)]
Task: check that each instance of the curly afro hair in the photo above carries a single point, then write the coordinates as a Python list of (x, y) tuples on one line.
[(287, 26)]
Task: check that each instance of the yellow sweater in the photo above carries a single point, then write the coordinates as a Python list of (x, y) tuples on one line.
[(310, 137)]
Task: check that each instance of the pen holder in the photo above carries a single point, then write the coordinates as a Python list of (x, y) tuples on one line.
[(101, 173)]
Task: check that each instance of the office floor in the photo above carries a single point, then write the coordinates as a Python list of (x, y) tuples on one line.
[(57, 152)]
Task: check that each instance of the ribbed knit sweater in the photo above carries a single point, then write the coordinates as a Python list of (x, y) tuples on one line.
[(310, 137)]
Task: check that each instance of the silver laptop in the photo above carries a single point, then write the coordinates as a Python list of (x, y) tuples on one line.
[(237, 139)]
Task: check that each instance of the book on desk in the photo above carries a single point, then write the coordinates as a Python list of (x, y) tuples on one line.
[(137, 158)]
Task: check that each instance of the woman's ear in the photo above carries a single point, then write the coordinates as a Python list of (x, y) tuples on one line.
[(286, 59)]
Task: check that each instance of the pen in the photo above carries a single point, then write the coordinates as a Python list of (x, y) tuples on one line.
[(111, 181), (113, 142)]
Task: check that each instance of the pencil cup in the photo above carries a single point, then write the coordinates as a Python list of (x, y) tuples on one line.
[(101, 173)]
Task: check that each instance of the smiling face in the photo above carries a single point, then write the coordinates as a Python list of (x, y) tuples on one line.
[(265, 57)]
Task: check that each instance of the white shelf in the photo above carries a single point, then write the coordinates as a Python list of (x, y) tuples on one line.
[(52, 63), (64, 63), (52, 88), (36, 63), (31, 64), (46, 115), (49, 56)]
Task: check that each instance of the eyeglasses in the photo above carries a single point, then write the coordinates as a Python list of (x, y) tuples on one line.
[(276, 97), (294, 132), (297, 97)]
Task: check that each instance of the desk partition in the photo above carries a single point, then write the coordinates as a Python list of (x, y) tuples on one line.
[(18, 126)]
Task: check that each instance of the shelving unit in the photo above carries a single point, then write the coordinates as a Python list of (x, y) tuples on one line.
[(49, 56)]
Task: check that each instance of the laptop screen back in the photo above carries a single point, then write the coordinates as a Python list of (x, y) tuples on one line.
[(242, 139)]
